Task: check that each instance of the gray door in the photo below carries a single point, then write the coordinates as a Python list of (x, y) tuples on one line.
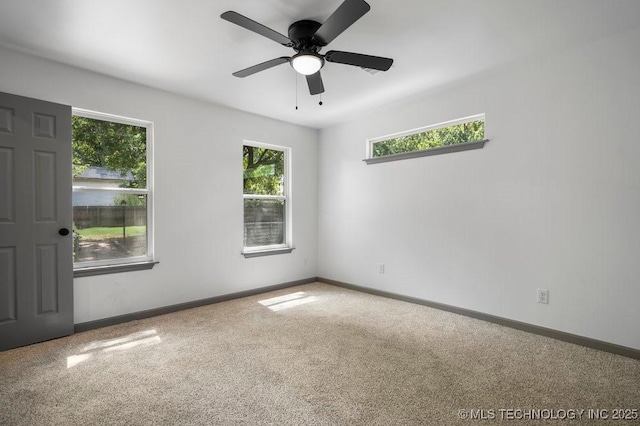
[(36, 265)]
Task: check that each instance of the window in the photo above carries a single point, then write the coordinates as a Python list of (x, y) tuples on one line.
[(111, 190), (265, 191), (456, 135)]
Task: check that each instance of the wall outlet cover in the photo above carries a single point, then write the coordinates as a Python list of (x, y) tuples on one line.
[(543, 296)]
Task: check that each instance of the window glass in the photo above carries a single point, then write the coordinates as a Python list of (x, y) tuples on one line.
[(109, 151), (263, 171), (264, 222)]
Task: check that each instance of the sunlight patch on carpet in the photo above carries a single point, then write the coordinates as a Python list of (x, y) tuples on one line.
[(139, 339), (287, 301)]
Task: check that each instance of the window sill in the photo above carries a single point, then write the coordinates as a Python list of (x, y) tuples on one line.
[(466, 146), (112, 269), (269, 252)]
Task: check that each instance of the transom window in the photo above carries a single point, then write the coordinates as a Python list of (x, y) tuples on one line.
[(265, 191), (111, 190), (437, 138)]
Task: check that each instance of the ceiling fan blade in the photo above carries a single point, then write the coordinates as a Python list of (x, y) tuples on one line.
[(261, 67), (256, 27), (359, 60), (344, 16), (315, 83)]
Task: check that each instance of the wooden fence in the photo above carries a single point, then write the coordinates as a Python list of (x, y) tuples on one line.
[(108, 216)]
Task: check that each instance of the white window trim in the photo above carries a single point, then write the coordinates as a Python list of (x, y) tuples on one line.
[(287, 247), (411, 154), (115, 265)]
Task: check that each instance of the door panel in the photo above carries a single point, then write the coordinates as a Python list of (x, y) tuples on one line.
[(44, 169), (36, 266), (6, 120), (46, 279), (6, 185), (44, 125), (8, 299)]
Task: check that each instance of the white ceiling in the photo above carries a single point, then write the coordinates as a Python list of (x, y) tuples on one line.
[(184, 46)]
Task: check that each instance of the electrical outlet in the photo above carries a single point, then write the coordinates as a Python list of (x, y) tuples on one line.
[(381, 268), (543, 296)]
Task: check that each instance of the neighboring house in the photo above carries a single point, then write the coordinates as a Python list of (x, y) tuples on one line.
[(97, 178)]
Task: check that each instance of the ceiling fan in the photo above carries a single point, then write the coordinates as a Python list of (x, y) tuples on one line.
[(307, 38)]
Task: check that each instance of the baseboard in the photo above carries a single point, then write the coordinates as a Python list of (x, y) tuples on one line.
[(542, 331), (105, 322)]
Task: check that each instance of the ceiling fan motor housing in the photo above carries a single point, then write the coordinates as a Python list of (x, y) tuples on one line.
[(301, 34)]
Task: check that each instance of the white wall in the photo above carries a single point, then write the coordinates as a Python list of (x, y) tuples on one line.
[(552, 201), (198, 190)]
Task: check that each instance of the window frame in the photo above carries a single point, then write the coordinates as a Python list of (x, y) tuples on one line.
[(99, 267), (462, 146), (287, 246)]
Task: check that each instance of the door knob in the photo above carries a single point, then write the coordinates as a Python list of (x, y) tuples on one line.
[(63, 231)]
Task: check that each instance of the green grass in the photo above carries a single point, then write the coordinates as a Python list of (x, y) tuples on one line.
[(104, 233)]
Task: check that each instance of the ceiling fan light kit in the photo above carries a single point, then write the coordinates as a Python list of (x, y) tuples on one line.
[(307, 38), (307, 63)]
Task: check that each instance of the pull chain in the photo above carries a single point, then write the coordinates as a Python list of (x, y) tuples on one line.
[(296, 90), (320, 103)]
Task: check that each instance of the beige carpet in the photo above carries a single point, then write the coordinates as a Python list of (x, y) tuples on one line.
[(313, 354)]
